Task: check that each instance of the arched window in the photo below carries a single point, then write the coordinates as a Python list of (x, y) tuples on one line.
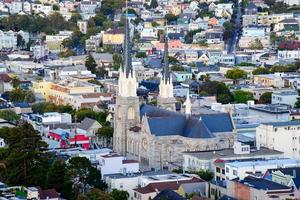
[(131, 113)]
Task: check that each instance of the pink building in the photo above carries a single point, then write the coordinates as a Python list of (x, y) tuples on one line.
[(173, 44), (68, 138)]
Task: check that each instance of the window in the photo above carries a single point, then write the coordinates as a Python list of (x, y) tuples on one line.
[(218, 169), (234, 172), (227, 169)]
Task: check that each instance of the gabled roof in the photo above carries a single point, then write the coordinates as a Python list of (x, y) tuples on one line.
[(87, 123), (48, 194), (165, 123), (5, 78), (287, 171), (263, 184), (168, 194)]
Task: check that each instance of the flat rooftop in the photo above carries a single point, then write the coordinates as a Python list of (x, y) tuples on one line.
[(229, 153), (287, 123), (279, 162)]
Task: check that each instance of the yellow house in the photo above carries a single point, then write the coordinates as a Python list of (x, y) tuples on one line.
[(43, 88), (113, 37)]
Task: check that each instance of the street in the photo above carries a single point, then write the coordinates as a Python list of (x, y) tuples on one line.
[(231, 47)]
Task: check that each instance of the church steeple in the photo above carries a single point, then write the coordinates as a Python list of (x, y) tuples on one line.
[(127, 80), (127, 109), (127, 63), (166, 72), (166, 98)]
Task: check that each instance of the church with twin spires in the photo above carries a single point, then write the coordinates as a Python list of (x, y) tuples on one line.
[(157, 135)]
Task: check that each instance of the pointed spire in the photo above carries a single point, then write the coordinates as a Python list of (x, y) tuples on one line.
[(188, 104), (127, 63), (166, 73)]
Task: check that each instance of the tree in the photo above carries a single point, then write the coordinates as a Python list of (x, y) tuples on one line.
[(140, 55), (55, 7), (204, 174), (29, 97), (153, 4), (297, 104), (189, 36), (84, 112), (90, 63), (119, 194), (26, 163), (75, 17), (9, 115), (16, 82), (265, 98), (229, 27), (177, 68), (224, 98), (67, 43), (83, 175), (17, 95), (105, 131), (172, 60), (117, 61), (170, 18), (256, 44), (241, 96), (56, 178), (235, 74), (95, 194), (261, 70)]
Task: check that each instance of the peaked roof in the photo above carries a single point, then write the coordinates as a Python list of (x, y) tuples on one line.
[(165, 123), (263, 184), (287, 171), (86, 123), (168, 194)]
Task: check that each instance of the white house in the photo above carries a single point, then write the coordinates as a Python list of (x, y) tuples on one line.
[(149, 33), (114, 164), (288, 97), (288, 54), (281, 136), (241, 169), (205, 160)]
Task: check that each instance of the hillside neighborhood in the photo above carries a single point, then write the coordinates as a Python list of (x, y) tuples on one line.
[(149, 99)]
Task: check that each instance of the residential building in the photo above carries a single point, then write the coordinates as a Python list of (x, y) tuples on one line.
[(113, 37), (115, 164), (241, 169), (82, 25), (281, 136), (54, 41), (152, 189), (251, 188), (93, 43), (205, 160), (288, 97), (40, 50), (8, 40), (269, 80)]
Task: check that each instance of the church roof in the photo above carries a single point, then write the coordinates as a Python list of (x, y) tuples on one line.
[(166, 123)]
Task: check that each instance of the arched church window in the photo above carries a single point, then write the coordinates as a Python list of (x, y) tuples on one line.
[(131, 113)]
